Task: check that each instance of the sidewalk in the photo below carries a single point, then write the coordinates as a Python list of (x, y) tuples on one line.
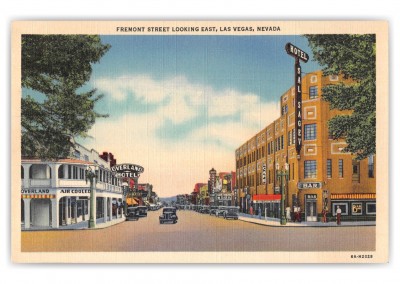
[(84, 225), (274, 222)]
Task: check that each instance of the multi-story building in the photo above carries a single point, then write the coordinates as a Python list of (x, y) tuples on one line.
[(320, 176), (56, 193)]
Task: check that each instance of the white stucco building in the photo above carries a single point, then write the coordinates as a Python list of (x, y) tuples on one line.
[(55, 193)]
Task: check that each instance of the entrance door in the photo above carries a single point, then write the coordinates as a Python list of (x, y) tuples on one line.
[(311, 210), (311, 207)]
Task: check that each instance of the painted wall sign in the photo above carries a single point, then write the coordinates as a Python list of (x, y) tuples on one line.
[(127, 170), (309, 185), (310, 196), (264, 173)]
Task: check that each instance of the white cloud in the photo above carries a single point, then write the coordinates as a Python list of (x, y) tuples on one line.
[(173, 166)]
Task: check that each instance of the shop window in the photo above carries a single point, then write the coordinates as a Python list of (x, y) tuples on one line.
[(343, 207), (310, 169), (371, 208), (310, 131), (356, 208)]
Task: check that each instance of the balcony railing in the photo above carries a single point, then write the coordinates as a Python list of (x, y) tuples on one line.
[(39, 182)]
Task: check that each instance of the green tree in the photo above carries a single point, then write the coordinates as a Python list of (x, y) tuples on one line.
[(57, 66), (354, 57)]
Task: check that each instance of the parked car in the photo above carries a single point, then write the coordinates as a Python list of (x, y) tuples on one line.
[(205, 210), (213, 210), (132, 214), (142, 211), (168, 215), (220, 211), (231, 213)]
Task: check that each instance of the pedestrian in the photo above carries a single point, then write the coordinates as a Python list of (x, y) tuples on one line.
[(288, 214), (298, 216), (323, 215), (259, 212), (338, 215), (251, 211)]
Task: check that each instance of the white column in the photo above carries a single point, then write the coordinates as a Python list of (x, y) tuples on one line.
[(105, 209), (25, 182), (54, 213), (27, 212), (67, 206), (110, 209), (54, 174)]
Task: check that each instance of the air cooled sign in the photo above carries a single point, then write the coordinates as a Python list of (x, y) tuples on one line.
[(298, 54)]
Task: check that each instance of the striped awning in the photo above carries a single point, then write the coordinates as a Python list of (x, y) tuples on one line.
[(38, 196), (343, 196)]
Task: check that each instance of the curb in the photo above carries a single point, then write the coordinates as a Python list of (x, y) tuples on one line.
[(302, 225)]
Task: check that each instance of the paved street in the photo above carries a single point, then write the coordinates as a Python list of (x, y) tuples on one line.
[(198, 232)]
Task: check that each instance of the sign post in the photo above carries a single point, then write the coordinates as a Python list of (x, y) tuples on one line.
[(128, 171)]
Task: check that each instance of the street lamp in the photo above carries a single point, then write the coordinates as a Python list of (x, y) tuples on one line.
[(91, 175), (282, 174)]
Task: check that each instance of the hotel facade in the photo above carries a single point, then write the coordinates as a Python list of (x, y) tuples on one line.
[(56, 194), (321, 176)]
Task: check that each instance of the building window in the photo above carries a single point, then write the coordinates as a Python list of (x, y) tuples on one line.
[(77, 154), (371, 166), (356, 171), (333, 77), (313, 92), (313, 79), (310, 169), (310, 131), (282, 142), (22, 172), (371, 208), (340, 168), (329, 168)]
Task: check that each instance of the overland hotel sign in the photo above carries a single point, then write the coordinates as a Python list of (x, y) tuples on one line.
[(127, 170)]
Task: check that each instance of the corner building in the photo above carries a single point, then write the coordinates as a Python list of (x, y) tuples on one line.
[(321, 176)]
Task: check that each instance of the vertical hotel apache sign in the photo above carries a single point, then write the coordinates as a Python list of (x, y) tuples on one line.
[(298, 54)]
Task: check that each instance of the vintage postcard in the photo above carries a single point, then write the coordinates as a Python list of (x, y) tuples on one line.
[(200, 142)]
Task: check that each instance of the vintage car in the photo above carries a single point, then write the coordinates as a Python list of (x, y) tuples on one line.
[(231, 213), (142, 211), (168, 215), (205, 210), (220, 211), (213, 210), (132, 214)]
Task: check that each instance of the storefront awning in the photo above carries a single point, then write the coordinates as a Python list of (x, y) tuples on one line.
[(356, 196), (131, 201), (266, 197)]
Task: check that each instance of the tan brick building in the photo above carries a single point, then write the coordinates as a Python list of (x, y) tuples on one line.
[(320, 176)]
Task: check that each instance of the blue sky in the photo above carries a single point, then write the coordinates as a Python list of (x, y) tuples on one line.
[(254, 64)]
